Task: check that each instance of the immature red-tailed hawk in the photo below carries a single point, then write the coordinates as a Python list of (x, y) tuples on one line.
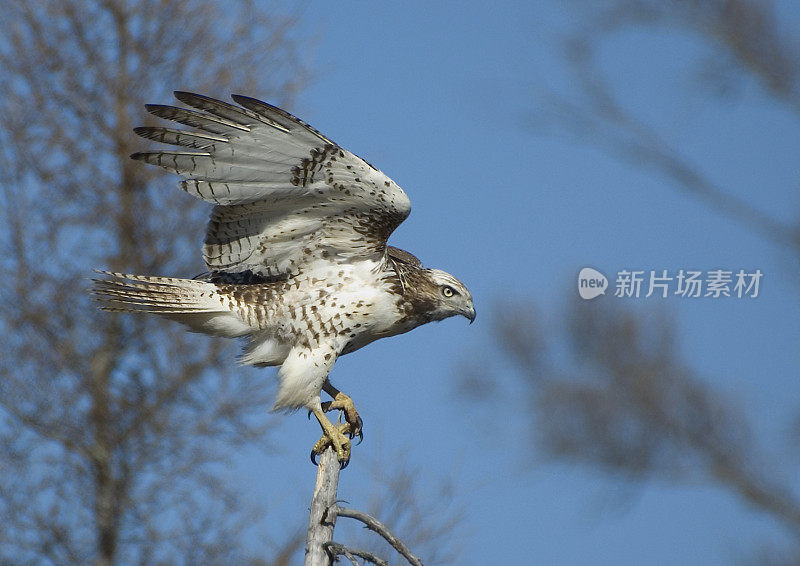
[(296, 251)]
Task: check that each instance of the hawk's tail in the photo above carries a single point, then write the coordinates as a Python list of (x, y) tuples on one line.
[(122, 292), (198, 304)]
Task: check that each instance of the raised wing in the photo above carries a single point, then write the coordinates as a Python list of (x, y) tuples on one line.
[(285, 194)]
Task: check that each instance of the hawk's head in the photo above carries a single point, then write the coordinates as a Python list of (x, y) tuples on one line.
[(450, 297)]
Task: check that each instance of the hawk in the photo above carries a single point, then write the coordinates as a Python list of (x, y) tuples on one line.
[(296, 251)]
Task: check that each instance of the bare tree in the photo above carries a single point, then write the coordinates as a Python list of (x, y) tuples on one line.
[(113, 430), (613, 392)]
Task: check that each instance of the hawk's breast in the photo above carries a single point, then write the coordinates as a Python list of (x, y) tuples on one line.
[(348, 304)]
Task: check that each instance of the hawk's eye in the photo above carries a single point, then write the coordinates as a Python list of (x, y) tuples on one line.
[(448, 291)]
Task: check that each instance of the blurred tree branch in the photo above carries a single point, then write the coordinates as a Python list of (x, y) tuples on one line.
[(113, 431), (745, 35), (621, 399)]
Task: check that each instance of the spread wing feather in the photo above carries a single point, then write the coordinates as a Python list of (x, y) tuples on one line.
[(285, 194)]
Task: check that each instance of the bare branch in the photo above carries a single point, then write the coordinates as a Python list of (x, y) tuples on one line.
[(374, 525), (324, 511), (336, 549), (322, 520)]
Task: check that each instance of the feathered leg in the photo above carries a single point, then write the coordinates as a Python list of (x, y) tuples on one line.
[(302, 376)]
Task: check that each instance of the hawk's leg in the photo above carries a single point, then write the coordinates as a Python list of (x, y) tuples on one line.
[(333, 435), (344, 403)]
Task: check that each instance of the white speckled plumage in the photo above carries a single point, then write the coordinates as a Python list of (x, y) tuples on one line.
[(296, 245)]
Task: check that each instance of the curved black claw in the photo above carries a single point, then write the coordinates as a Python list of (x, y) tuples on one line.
[(342, 463), (358, 430)]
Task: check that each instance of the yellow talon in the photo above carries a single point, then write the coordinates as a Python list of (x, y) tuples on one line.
[(344, 403), (333, 435)]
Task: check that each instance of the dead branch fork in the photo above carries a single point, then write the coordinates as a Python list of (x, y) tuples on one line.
[(321, 550)]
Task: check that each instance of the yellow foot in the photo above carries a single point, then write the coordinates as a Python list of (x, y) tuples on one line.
[(345, 403), (336, 436)]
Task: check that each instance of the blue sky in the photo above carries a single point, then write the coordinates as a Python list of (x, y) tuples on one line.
[(440, 96)]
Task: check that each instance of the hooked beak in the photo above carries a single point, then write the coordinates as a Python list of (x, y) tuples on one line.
[(470, 312)]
